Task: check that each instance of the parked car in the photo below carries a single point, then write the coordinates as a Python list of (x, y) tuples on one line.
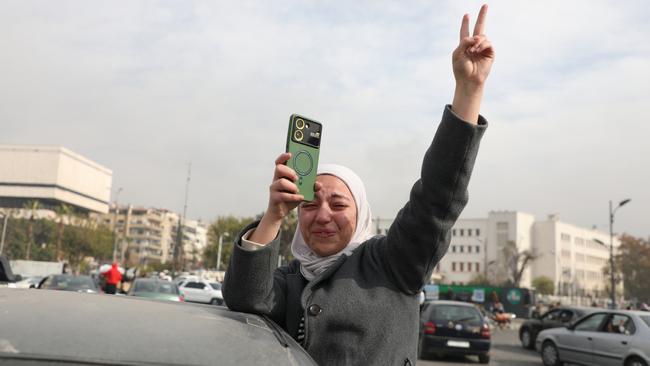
[(199, 290), (29, 282), (554, 318), (67, 282), (453, 327), (604, 337), (155, 289)]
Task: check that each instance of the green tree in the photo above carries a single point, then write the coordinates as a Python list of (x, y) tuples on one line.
[(86, 241), (229, 227), (32, 206), (63, 213), (480, 280), (544, 285), (633, 264)]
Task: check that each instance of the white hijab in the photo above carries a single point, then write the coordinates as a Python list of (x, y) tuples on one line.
[(311, 265)]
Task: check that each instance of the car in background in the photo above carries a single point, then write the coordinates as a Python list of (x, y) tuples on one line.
[(29, 282), (154, 288), (453, 327), (554, 318), (200, 290), (604, 337), (68, 282)]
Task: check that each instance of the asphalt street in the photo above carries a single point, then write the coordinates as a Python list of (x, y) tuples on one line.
[(505, 350)]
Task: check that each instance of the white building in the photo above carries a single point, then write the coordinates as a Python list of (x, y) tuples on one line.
[(52, 175), (565, 253)]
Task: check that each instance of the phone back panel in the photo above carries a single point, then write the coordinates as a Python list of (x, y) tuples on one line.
[(303, 142)]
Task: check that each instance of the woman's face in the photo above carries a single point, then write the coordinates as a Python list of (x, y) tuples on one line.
[(328, 223)]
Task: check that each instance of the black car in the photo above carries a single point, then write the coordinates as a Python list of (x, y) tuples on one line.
[(554, 318), (67, 282), (453, 327)]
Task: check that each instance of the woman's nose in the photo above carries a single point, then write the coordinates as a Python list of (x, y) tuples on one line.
[(324, 214)]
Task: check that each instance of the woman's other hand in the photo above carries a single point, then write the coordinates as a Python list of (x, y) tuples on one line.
[(472, 61)]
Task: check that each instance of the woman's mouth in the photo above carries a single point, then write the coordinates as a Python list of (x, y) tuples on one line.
[(323, 233)]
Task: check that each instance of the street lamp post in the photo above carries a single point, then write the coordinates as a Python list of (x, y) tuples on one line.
[(612, 277), (221, 236)]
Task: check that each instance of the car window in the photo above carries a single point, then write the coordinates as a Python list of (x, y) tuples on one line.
[(646, 319), (591, 323), (215, 285), (619, 324), (195, 285), (454, 313), (167, 288), (565, 316), (143, 286), (552, 315)]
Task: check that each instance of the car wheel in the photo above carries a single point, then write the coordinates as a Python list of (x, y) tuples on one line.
[(635, 361), (526, 338), (484, 358), (550, 355), (214, 301)]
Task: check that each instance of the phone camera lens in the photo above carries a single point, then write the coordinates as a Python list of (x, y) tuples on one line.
[(298, 135), (300, 124)]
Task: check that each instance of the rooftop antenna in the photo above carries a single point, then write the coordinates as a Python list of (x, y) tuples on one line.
[(178, 248)]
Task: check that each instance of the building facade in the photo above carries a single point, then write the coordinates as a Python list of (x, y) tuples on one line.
[(52, 176), (494, 248), (148, 235)]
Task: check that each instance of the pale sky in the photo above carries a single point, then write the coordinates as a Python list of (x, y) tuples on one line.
[(145, 87)]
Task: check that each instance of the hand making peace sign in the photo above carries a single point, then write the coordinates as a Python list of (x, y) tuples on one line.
[(473, 57)]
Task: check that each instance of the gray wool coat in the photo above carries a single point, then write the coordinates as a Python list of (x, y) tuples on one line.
[(363, 310)]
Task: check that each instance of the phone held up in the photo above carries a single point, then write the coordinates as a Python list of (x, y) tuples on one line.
[(303, 142)]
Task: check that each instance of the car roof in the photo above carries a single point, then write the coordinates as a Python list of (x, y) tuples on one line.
[(451, 302), (107, 329)]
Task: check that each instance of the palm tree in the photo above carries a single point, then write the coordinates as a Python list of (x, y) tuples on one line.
[(32, 206), (62, 212)]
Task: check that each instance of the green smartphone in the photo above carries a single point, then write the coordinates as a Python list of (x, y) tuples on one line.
[(303, 142)]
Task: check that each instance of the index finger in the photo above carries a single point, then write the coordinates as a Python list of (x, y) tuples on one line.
[(464, 27), (479, 27)]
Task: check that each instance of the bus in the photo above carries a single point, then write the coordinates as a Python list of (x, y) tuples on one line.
[(516, 300)]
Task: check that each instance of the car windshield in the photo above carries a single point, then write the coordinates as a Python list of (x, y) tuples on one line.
[(456, 313), (215, 285), (160, 287), (646, 319), (71, 283)]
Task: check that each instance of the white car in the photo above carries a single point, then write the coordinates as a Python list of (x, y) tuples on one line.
[(203, 291), (603, 338)]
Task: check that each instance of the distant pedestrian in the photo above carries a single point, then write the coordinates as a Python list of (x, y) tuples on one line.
[(113, 277)]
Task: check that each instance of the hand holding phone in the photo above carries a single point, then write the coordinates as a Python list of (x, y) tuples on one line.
[(303, 142)]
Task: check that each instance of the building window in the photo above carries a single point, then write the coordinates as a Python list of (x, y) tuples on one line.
[(453, 232), (462, 249), (462, 232), (469, 249), (462, 266), (469, 232), (565, 237), (478, 249), (478, 232), (453, 266), (477, 267), (469, 266), (453, 249)]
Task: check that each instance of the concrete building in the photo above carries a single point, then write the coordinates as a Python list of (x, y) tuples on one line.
[(566, 253), (53, 176), (148, 235)]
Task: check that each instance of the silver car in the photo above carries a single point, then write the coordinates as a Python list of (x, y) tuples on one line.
[(607, 337)]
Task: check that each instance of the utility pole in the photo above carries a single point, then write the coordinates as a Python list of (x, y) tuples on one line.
[(4, 230), (115, 236), (178, 248), (611, 250)]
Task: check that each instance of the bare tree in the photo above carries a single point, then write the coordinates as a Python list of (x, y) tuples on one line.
[(516, 262)]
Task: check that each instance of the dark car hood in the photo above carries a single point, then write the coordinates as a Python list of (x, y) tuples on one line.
[(105, 329)]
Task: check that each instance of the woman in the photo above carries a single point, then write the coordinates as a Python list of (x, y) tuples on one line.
[(350, 297)]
